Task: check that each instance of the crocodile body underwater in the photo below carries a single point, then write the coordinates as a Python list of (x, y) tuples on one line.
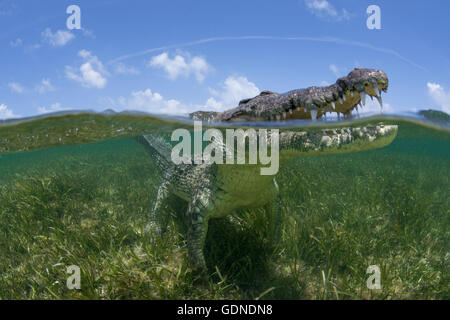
[(202, 191)]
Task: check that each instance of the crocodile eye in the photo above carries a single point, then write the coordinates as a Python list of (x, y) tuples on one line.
[(366, 84)]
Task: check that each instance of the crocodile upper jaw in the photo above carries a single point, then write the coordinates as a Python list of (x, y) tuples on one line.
[(347, 94)]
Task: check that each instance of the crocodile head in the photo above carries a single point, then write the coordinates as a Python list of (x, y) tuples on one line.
[(310, 103)]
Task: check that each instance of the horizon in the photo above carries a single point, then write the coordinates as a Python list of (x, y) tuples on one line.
[(176, 57)]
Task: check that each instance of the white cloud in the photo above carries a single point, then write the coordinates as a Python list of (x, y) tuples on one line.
[(148, 101), (16, 87), (324, 9), (91, 73), (123, 69), (16, 43), (6, 113), (84, 54), (19, 43), (32, 47), (58, 39), (233, 90), (53, 108), (45, 86), (439, 96), (88, 33), (179, 66), (335, 70)]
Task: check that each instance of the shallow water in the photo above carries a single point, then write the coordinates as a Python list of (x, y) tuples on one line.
[(342, 212), (414, 139)]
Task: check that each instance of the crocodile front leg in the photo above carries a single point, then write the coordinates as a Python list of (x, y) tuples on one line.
[(199, 211), (158, 216)]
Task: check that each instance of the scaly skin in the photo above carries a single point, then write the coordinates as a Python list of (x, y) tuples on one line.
[(216, 190), (310, 103)]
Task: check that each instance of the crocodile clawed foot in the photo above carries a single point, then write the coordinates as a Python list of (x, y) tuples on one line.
[(201, 277), (199, 273)]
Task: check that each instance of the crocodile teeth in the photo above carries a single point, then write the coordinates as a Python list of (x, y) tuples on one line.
[(380, 101), (333, 105), (363, 98), (352, 93), (340, 100), (278, 117), (313, 114), (377, 92), (290, 111), (284, 114), (298, 108), (344, 97)]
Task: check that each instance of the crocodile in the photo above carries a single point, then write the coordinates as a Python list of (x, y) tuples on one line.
[(199, 192)]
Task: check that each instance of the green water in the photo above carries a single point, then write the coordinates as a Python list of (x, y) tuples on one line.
[(87, 205), (76, 157)]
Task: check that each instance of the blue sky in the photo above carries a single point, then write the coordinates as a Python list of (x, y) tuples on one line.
[(178, 56)]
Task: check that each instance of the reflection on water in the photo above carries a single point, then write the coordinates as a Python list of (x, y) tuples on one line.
[(415, 139)]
